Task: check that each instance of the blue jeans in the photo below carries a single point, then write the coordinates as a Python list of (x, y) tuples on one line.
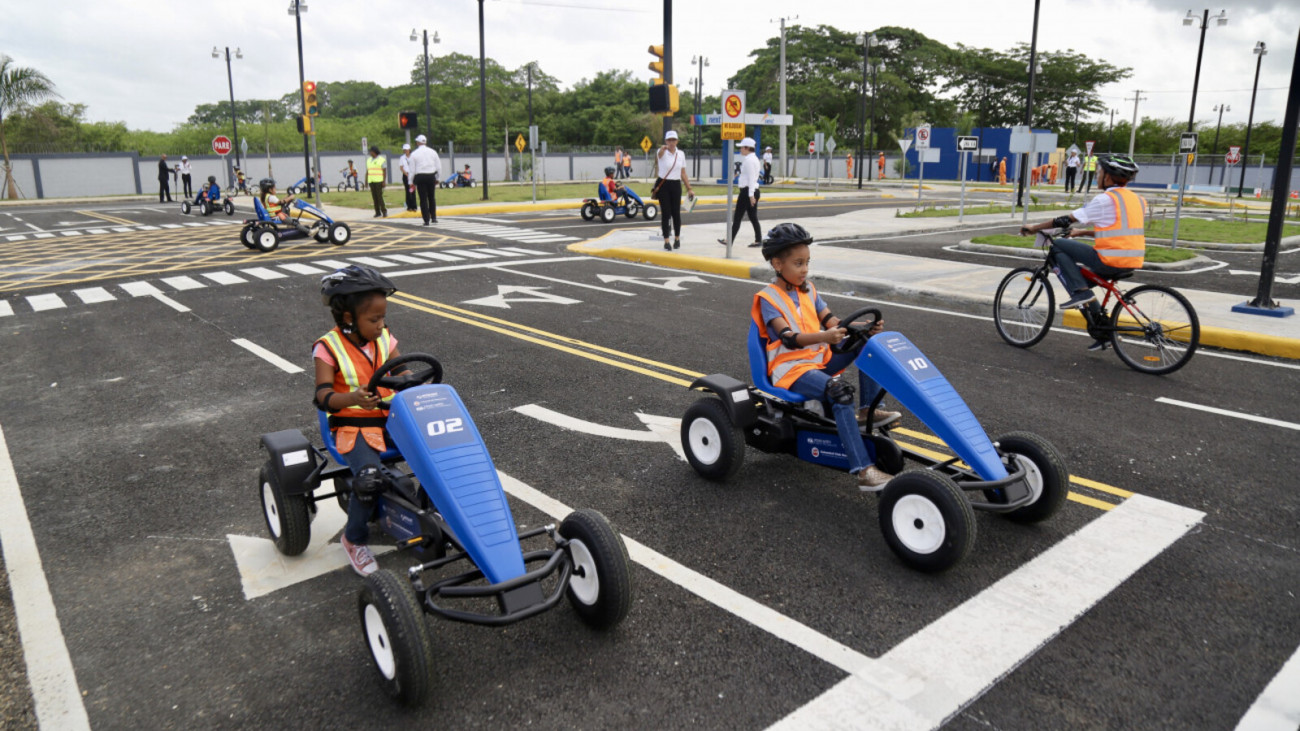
[(357, 530), (812, 384), (1069, 254)]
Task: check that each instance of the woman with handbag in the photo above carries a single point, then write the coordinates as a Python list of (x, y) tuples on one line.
[(671, 166)]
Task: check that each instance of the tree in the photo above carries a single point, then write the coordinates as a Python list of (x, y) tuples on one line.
[(20, 86)]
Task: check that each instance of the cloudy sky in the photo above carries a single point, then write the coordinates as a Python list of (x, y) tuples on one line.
[(148, 62)]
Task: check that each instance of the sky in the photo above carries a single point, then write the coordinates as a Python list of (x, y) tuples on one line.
[(148, 63)]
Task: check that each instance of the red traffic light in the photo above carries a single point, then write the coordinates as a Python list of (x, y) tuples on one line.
[(407, 120), (309, 86)]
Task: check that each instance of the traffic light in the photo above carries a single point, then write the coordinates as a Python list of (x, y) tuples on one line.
[(663, 99), (305, 125), (311, 107), (407, 120), (657, 65)]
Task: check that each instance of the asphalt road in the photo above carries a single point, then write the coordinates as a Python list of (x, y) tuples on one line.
[(136, 455)]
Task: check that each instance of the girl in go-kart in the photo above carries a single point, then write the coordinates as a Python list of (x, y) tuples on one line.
[(345, 358), (791, 315), (276, 206)]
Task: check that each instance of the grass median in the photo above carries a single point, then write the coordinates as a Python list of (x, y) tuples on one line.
[(498, 193), (1212, 232), (1156, 254)]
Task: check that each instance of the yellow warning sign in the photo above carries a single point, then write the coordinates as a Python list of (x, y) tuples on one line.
[(646, 144), (520, 144)]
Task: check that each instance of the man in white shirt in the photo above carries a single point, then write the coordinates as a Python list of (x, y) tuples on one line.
[(408, 186), (767, 165), (747, 203), (185, 176), (425, 166), (1071, 170)]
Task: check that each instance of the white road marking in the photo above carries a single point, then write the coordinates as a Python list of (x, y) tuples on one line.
[(70, 233), (370, 261), (96, 231), (6, 309), (1225, 412), (267, 355), (43, 236), (263, 273), (122, 229), (94, 295), (49, 667), (195, 224), (501, 252), (503, 268), (932, 675), (146, 228), (1278, 707), (183, 283), (529, 294), (224, 278), (470, 253), (524, 251), (489, 265), (16, 238), (336, 264), (301, 269), (439, 256), (405, 259), (145, 289), (673, 284), (42, 302)]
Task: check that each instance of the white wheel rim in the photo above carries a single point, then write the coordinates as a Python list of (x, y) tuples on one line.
[(381, 648), (705, 441), (586, 588), (918, 524), (340, 234), (271, 509), (1033, 476), (266, 239)]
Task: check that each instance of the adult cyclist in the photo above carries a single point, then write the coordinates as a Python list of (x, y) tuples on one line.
[(1117, 216)]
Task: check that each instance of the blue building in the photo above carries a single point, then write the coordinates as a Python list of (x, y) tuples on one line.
[(995, 143)]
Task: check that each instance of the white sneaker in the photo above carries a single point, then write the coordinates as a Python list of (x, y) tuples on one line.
[(362, 560)]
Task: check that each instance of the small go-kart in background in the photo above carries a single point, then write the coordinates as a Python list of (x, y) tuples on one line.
[(447, 503), (301, 186), (459, 180), (607, 209), (265, 232), (925, 515), (206, 206)]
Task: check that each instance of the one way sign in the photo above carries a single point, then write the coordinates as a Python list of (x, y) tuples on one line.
[(968, 144)]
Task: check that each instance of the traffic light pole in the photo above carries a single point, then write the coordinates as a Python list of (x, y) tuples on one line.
[(482, 97), (668, 56)]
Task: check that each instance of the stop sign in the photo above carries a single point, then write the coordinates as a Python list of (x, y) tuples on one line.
[(1234, 155), (812, 147), (221, 145)]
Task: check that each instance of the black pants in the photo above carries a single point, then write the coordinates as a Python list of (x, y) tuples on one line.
[(185, 183), (377, 195), (743, 208), (1069, 179), (164, 191), (1087, 180), (409, 192), (670, 207), (426, 186)]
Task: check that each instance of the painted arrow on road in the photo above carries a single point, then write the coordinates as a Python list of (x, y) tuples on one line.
[(503, 299), (674, 284), (664, 429)]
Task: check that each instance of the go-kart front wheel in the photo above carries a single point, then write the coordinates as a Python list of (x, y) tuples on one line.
[(600, 588), (714, 446), (632, 210), (205, 208), (266, 238), (246, 236), (926, 520), (397, 636), (287, 516), (650, 212), (228, 207), (588, 211), (185, 207), (1045, 475), (340, 234)]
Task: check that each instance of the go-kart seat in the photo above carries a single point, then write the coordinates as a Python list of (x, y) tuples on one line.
[(388, 455), (603, 193), (758, 369), (263, 215)]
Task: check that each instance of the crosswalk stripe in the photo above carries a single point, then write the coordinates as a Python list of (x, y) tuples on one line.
[(16, 238), (6, 309), (439, 256), (93, 295), (404, 258), (263, 273), (524, 251), (70, 233), (301, 269), (140, 289), (371, 261), (40, 302), (195, 224), (331, 263), (96, 231), (502, 252), (147, 228), (183, 283), (44, 236), (474, 254), (171, 225), (224, 278), (121, 230)]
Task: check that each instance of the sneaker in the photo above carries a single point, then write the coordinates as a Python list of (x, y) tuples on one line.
[(667, 246), (1098, 345), (677, 243), (722, 241), (871, 478), (1079, 299), (756, 244), (362, 560), (882, 417)]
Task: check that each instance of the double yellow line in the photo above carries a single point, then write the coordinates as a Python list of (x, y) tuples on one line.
[(663, 371)]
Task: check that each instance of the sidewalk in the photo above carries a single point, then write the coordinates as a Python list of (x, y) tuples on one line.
[(918, 280)]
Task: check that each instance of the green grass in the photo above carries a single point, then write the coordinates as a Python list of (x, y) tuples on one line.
[(498, 193), (975, 211), (1218, 232), (1157, 254)]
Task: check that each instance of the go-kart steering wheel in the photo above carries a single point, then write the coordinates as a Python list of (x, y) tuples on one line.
[(381, 379), (856, 332)]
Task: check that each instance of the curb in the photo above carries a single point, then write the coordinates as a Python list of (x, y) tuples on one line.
[(1022, 253)]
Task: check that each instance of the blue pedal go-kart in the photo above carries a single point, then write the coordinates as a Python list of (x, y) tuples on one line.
[(265, 232), (301, 186), (607, 209), (442, 498), (207, 207), (925, 515)]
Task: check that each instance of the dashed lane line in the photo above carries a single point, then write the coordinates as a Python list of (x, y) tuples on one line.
[(267, 355)]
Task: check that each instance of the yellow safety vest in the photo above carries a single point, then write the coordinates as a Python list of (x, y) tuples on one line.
[(355, 369), (376, 169), (1089, 163), (1123, 244), (785, 365)]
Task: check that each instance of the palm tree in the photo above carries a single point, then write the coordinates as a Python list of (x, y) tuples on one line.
[(19, 86)]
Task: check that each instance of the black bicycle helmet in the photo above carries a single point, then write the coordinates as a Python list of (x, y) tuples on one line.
[(783, 236), (1119, 166), (609, 171), (266, 184), (353, 280), (212, 178)]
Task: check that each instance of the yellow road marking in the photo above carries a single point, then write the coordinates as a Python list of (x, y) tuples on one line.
[(1090, 502), (106, 217)]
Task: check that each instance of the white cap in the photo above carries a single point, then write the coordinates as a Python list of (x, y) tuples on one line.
[(670, 135), (184, 157), (406, 146), (768, 147), (421, 139), (747, 142)]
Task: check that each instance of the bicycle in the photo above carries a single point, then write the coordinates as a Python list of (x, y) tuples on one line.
[(1153, 328), (350, 182)]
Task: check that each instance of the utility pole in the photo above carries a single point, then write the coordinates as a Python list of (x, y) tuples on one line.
[(668, 56), (785, 169), (1132, 135), (1029, 105), (1261, 51)]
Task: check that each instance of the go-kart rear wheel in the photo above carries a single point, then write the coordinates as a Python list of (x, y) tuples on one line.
[(1047, 478), (600, 588), (889, 456), (246, 236), (325, 188), (397, 636), (926, 520), (607, 214), (205, 208), (340, 234), (588, 211), (632, 209), (185, 207), (266, 238), (650, 212), (228, 207), (286, 515), (714, 446)]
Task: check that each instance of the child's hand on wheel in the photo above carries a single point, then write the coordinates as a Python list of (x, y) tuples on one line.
[(364, 399), (835, 335)]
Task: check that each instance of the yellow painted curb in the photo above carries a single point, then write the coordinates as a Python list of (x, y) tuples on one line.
[(708, 264), (1222, 337), (1221, 204)]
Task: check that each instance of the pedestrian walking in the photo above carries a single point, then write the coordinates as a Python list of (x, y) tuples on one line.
[(767, 165), (376, 176), (848, 166), (186, 171), (408, 185), (670, 164), (1089, 170), (164, 181), (618, 162), (627, 165), (1071, 171), (747, 203), (1002, 171), (425, 166), (880, 167)]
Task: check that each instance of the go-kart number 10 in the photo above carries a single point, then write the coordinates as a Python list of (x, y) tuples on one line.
[(445, 426)]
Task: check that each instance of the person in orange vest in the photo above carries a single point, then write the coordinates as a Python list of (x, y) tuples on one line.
[(797, 330), (627, 165), (1002, 171), (848, 165), (1118, 218), (1051, 178), (880, 166), (1034, 174), (618, 162), (345, 358)]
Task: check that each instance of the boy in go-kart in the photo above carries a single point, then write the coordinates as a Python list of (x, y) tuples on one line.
[(210, 192), (617, 193), (346, 358), (791, 316)]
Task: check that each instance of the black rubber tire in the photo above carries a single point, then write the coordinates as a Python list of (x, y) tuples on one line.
[(286, 516), (921, 501), (1047, 473), (325, 188), (650, 212), (632, 210), (714, 446), (205, 208), (601, 601), (246, 236), (397, 636), (607, 214), (588, 211), (340, 233), (321, 234), (185, 207), (266, 239), (1022, 283), (229, 208), (1163, 305), (889, 456)]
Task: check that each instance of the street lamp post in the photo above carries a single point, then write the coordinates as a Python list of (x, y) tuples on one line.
[(231, 83), (428, 118), (1190, 19), (866, 40), (482, 96), (1214, 151), (875, 90), (1110, 141), (296, 9), (700, 62), (1261, 51), (1029, 103)]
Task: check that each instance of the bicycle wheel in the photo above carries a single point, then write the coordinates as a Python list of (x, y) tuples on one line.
[(1023, 307), (1154, 329)]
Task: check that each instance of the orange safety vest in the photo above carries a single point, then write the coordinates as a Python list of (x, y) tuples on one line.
[(785, 365), (618, 158), (1123, 244), (274, 210), (354, 369)]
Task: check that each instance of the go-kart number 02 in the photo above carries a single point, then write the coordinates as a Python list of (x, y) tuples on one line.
[(445, 426)]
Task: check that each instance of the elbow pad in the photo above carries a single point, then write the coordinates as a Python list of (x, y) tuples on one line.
[(788, 339), (827, 318), (1063, 221)]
